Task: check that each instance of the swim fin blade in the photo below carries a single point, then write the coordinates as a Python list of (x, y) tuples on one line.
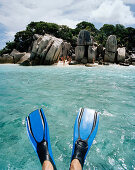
[(85, 129), (38, 133)]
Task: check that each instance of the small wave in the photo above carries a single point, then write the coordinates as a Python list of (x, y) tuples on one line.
[(23, 122), (111, 161), (105, 113), (61, 158)]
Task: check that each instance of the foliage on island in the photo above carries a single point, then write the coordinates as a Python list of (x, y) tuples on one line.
[(24, 39)]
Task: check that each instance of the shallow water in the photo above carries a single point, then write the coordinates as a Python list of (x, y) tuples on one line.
[(61, 91)]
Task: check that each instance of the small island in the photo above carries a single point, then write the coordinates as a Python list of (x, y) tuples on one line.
[(45, 43)]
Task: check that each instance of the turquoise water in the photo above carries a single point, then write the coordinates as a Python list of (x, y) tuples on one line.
[(61, 91)]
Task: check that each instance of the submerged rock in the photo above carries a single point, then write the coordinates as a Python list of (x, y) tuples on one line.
[(90, 65)]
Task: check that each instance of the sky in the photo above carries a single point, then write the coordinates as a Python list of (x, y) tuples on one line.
[(15, 15)]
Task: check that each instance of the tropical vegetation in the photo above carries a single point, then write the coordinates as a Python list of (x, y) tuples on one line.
[(23, 39)]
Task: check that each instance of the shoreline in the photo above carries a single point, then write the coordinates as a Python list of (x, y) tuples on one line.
[(60, 65)]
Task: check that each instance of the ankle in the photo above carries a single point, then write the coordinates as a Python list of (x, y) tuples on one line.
[(75, 165), (47, 165)]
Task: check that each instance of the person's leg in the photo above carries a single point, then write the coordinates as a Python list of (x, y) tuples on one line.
[(75, 165), (47, 166)]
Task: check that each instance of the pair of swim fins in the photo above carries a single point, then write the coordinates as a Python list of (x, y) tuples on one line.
[(85, 129)]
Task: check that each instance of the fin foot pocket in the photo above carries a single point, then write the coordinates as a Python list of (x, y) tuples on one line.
[(81, 147), (43, 154)]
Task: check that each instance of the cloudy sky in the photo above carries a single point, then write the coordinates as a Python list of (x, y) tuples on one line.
[(16, 14)]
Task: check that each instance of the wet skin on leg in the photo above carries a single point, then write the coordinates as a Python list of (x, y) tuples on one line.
[(47, 165), (75, 165)]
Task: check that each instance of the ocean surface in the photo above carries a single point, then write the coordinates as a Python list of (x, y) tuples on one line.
[(61, 91)]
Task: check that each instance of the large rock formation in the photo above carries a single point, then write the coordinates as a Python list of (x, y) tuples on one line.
[(84, 38), (79, 53), (92, 53), (121, 54), (24, 58), (6, 58), (111, 48), (100, 52), (65, 49), (46, 50), (17, 55), (83, 52)]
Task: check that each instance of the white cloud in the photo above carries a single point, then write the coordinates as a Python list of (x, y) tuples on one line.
[(113, 11), (16, 14), (102, 11), (129, 1)]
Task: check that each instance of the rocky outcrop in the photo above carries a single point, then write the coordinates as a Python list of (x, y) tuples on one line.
[(6, 58), (121, 54), (17, 55), (46, 50), (73, 56), (132, 58), (24, 58), (84, 38), (65, 49), (100, 52), (83, 43), (92, 53), (111, 48), (79, 53)]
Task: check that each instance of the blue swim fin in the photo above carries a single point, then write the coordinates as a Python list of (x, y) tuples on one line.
[(85, 129), (38, 133)]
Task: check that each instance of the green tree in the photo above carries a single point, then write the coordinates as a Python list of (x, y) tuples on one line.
[(85, 25), (121, 33), (65, 33), (130, 38), (43, 27), (23, 40), (101, 38), (8, 48), (108, 29)]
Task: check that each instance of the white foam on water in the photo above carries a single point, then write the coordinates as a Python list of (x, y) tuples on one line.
[(105, 113)]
